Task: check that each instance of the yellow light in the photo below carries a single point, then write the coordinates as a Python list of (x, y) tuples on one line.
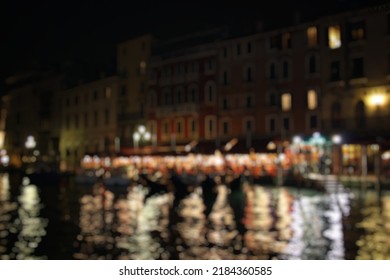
[(377, 99)]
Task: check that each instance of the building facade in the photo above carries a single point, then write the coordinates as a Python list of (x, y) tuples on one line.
[(29, 123), (87, 117)]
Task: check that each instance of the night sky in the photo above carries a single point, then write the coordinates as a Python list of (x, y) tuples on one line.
[(36, 33)]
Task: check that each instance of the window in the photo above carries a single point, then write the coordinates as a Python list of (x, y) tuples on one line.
[(210, 127), (107, 116), (312, 64), (335, 71), (210, 65), (225, 127), (285, 69), (357, 68), (248, 74), (192, 128), (210, 92), (123, 90), (85, 120), (249, 47), (312, 99), (312, 36), (313, 122), (286, 123), (357, 31), (360, 113), (193, 94), (271, 124), (179, 128), (76, 121), (275, 42), (248, 103), (107, 92), (248, 125), (225, 103), (287, 41), (225, 52), (142, 67), (334, 36), (272, 71), (272, 99), (95, 118), (225, 80), (286, 101)]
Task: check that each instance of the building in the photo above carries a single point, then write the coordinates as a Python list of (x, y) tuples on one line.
[(87, 117), (182, 97), (29, 110), (132, 68)]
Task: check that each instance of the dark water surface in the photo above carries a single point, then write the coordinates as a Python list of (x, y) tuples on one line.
[(69, 221)]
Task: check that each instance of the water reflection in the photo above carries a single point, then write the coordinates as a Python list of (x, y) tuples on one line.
[(22, 228), (280, 223), (374, 244)]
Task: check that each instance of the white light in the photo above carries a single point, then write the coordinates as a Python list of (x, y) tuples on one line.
[(337, 139), (147, 136), (141, 129), (316, 135), (136, 136), (30, 142), (297, 139)]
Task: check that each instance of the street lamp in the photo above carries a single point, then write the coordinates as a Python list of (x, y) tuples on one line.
[(140, 135)]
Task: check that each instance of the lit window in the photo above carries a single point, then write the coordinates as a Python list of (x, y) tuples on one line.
[(286, 101), (357, 31), (334, 37), (312, 101), (107, 92), (312, 39), (142, 67)]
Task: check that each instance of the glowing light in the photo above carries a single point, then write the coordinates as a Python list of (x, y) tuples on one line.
[(377, 99), (147, 136), (337, 139), (141, 129), (297, 139), (30, 142), (271, 146), (136, 136)]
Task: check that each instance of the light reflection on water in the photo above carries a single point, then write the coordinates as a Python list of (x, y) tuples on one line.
[(22, 228), (281, 223)]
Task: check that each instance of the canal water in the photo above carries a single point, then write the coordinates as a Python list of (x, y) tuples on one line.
[(69, 221)]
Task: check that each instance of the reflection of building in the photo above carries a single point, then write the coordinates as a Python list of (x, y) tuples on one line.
[(30, 108), (88, 120)]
